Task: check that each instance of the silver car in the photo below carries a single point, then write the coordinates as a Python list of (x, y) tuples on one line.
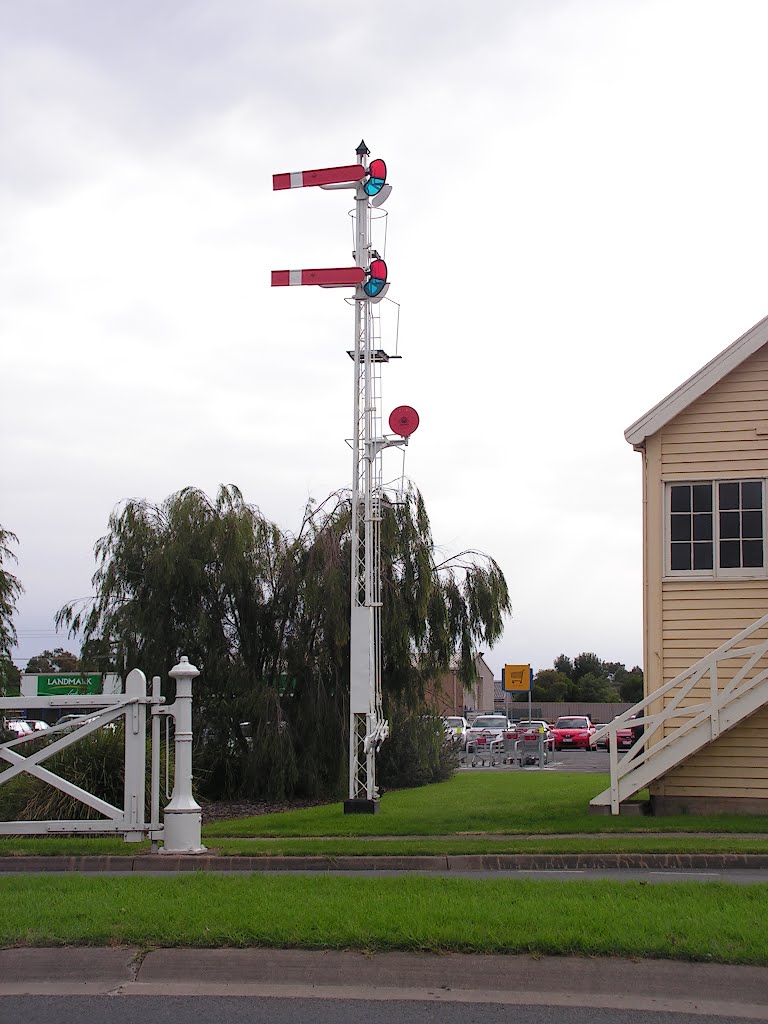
[(492, 727)]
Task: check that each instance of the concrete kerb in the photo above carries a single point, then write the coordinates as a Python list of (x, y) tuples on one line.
[(658, 985), (442, 863)]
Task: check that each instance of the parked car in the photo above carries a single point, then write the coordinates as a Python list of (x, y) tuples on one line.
[(18, 726), (602, 743), (71, 719), (624, 738), (529, 732), (573, 732), (36, 724), (456, 728), (487, 728)]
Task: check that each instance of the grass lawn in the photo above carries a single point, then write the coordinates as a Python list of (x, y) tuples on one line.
[(523, 812), (711, 921), (473, 803)]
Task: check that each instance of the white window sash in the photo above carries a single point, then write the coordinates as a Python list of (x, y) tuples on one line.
[(715, 573)]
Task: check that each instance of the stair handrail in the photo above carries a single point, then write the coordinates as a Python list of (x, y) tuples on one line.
[(640, 751)]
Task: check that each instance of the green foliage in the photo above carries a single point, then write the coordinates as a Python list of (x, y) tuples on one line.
[(94, 763), (587, 678), (630, 684), (10, 678), (598, 688), (551, 685), (265, 615), (50, 662), (10, 589), (586, 663), (564, 665), (417, 752)]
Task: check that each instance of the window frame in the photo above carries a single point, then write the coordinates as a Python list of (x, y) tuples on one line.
[(716, 572)]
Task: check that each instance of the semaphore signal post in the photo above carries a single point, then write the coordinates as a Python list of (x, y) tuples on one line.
[(367, 726)]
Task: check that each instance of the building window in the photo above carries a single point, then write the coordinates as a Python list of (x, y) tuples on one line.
[(716, 527)]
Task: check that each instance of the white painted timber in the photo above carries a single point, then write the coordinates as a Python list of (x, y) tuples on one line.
[(698, 706)]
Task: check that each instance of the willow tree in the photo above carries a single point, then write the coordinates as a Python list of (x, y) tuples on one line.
[(265, 615), (10, 589)]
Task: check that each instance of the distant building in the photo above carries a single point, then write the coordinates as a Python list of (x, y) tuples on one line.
[(448, 695)]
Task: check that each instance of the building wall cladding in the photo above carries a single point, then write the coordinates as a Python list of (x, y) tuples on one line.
[(723, 435), (447, 695)]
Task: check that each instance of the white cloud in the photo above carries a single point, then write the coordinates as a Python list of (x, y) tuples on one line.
[(576, 227)]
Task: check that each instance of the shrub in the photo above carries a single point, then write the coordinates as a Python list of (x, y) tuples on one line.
[(95, 763), (417, 751)]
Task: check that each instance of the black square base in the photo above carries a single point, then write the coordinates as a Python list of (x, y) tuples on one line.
[(361, 806)]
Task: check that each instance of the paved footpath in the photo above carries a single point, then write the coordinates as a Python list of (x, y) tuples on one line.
[(657, 985)]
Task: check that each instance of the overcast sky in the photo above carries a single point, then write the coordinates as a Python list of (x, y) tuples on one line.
[(577, 224)]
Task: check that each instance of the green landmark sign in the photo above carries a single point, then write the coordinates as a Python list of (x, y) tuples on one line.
[(68, 685)]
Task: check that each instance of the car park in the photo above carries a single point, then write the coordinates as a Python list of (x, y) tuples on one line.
[(36, 724), (573, 732)]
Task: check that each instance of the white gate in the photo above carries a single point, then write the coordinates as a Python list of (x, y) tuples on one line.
[(180, 829)]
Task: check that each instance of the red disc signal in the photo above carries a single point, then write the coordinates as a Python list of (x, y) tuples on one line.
[(403, 420)]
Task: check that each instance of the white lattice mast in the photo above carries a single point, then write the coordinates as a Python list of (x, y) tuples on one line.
[(367, 727)]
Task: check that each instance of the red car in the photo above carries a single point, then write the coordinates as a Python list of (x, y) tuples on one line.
[(624, 739), (573, 732)]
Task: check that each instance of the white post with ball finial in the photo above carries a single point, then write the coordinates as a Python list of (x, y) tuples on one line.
[(183, 815)]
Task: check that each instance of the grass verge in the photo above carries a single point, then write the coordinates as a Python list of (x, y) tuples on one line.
[(708, 922), (61, 846)]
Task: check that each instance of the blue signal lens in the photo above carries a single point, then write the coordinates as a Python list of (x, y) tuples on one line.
[(374, 286), (373, 186)]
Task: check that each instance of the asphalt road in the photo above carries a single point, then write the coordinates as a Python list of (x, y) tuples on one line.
[(250, 1010), (560, 760)]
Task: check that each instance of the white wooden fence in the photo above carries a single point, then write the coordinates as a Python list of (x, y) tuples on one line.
[(180, 829)]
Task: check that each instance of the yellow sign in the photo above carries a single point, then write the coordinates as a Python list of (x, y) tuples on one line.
[(517, 677)]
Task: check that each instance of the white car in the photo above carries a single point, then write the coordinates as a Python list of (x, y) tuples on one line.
[(19, 727), (456, 728), (492, 727)]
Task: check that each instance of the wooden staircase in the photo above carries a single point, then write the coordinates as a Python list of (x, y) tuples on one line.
[(722, 689)]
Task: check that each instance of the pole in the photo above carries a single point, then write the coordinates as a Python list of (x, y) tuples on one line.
[(364, 604), (182, 816)]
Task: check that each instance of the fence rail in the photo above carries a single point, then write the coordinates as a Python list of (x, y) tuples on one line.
[(180, 828)]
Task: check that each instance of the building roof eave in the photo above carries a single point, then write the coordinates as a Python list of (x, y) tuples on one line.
[(697, 385)]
